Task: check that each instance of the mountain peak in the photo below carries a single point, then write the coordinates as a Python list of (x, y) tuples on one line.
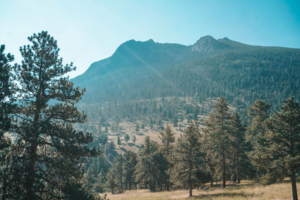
[(208, 44)]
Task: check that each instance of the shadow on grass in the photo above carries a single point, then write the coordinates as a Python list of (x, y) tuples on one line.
[(123, 149), (212, 196), (131, 144)]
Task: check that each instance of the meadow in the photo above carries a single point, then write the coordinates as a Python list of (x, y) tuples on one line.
[(249, 190)]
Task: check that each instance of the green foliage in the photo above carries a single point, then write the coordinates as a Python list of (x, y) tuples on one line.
[(137, 128), (188, 159), (175, 121), (218, 133), (127, 138), (134, 139), (283, 135), (44, 133), (119, 142)]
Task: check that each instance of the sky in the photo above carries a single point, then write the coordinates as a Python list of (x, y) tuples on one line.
[(91, 30)]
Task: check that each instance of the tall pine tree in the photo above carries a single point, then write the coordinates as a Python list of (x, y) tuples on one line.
[(52, 151), (283, 133), (187, 157)]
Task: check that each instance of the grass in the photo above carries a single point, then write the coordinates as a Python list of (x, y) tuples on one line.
[(246, 190)]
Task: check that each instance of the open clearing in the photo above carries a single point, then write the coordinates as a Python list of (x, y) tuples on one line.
[(246, 190)]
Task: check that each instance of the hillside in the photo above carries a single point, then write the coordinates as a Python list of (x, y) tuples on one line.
[(149, 84)]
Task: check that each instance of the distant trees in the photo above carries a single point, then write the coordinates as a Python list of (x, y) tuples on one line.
[(261, 150)]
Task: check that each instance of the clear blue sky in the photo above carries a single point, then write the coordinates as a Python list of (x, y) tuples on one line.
[(90, 30)]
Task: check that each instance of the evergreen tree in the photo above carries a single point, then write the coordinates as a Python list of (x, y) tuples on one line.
[(111, 147), (111, 181), (175, 121), (238, 143), (100, 183), (106, 128), (219, 133), (102, 139), (146, 169), (46, 114), (119, 141), (181, 117), (260, 158), (167, 137), (134, 139), (127, 138), (283, 134), (130, 159), (7, 89), (118, 166), (90, 178), (187, 156), (137, 128), (151, 123), (7, 107)]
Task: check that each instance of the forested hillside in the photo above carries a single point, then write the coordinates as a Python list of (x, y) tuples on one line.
[(147, 82)]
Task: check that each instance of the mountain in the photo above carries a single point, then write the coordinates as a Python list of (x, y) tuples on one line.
[(150, 83), (208, 44)]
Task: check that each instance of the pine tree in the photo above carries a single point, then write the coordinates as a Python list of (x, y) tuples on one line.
[(106, 128), (187, 156), (7, 89), (130, 159), (118, 165), (151, 123), (102, 139), (46, 114), (175, 121), (7, 107), (90, 178), (238, 143), (111, 181), (283, 134), (127, 138), (111, 147), (218, 131), (100, 183), (137, 128), (260, 158), (167, 137), (119, 141), (134, 139), (146, 169)]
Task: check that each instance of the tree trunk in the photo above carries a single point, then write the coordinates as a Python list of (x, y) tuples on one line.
[(211, 179), (294, 186), (191, 190), (237, 168), (30, 180), (224, 174)]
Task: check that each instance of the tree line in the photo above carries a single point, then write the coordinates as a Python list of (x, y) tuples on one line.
[(224, 149)]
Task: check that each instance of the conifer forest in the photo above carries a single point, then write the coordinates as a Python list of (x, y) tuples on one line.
[(153, 116)]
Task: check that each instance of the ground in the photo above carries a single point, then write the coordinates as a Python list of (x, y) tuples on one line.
[(246, 190)]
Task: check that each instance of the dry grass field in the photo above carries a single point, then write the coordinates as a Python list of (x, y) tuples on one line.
[(246, 190)]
